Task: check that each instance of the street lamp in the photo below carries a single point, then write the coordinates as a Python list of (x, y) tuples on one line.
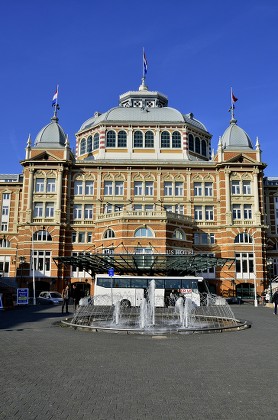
[(254, 271), (269, 263), (21, 263)]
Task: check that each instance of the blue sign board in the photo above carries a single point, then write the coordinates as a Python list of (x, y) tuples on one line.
[(22, 296), (111, 272)]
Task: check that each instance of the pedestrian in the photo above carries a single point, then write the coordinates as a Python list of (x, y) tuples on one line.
[(65, 296), (75, 296), (275, 301)]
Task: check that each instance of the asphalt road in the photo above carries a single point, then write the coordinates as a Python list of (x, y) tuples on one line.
[(53, 372)]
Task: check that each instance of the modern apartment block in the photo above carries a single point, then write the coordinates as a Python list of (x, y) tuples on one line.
[(142, 180)]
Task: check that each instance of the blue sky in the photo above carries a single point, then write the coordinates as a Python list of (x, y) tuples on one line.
[(196, 51)]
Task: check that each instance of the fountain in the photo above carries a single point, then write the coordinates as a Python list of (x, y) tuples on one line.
[(213, 314)]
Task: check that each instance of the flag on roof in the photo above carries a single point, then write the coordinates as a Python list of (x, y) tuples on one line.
[(234, 99), (145, 63), (55, 97)]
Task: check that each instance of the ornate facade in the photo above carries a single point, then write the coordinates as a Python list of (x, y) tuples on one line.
[(143, 180)]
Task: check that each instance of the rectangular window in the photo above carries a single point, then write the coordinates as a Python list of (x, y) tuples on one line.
[(149, 188), (167, 207), (148, 207), (138, 188), (5, 211), (73, 237), (39, 185), (49, 210), (235, 187), (118, 207), (137, 207), (89, 237), (81, 237), (88, 211), (247, 211), (6, 196), (108, 208), (119, 188), (179, 209), (4, 227), (244, 264), (38, 209), (50, 185), (41, 261), (108, 188), (198, 188), (178, 189), (246, 187), (168, 188), (89, 187), (198, 213), (209, 212), (77, 211), (208, 189), (78, 188), (236, 211)]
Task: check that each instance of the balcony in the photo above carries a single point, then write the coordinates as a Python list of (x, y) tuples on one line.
[(135, 214)]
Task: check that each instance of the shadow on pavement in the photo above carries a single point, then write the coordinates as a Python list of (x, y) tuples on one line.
[(22, 315)]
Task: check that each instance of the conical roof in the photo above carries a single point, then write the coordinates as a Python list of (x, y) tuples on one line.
[(51, 136)]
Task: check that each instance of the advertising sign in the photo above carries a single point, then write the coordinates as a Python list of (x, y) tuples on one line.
[(22, 296)]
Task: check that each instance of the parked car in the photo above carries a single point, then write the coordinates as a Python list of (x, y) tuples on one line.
[(234, 299), (50, 298)]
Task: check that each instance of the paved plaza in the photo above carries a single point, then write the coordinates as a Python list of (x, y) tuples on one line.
[(53, 372)]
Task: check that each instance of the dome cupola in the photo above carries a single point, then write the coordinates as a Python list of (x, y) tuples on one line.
[(52, 136)]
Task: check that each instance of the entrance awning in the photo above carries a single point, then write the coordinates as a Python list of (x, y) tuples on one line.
[(144, 264)]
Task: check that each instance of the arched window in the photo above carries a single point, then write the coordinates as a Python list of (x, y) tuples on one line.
[(109, 233), (96, 141), (89, 144), (197, 145), (191, 142), (204, 147), (179, 234), (143, 232), (243, 238), (83, 146), (42, 235), (122, 139), (111, 139), (165, 139), (176, 140), (4, 243), (149, 142), (138, 139)]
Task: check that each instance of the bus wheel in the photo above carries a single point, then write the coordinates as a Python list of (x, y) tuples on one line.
[(125, 303)]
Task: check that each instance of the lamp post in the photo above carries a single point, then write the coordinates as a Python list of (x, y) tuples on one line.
[(269, 263), (33, 271), (254, 271), (21, 263)]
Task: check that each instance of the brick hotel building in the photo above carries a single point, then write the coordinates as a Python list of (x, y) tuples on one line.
[(142, 180)]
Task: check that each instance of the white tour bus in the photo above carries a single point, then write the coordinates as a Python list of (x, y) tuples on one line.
[(131, 290)]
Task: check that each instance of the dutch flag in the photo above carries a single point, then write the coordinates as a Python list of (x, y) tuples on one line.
[(145, 63), (55, 97)]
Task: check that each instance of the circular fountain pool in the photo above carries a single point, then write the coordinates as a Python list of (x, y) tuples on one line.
[(212, 315)]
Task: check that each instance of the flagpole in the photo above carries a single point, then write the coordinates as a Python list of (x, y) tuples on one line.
[(56, 104), (143, 67), (232, 104)]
